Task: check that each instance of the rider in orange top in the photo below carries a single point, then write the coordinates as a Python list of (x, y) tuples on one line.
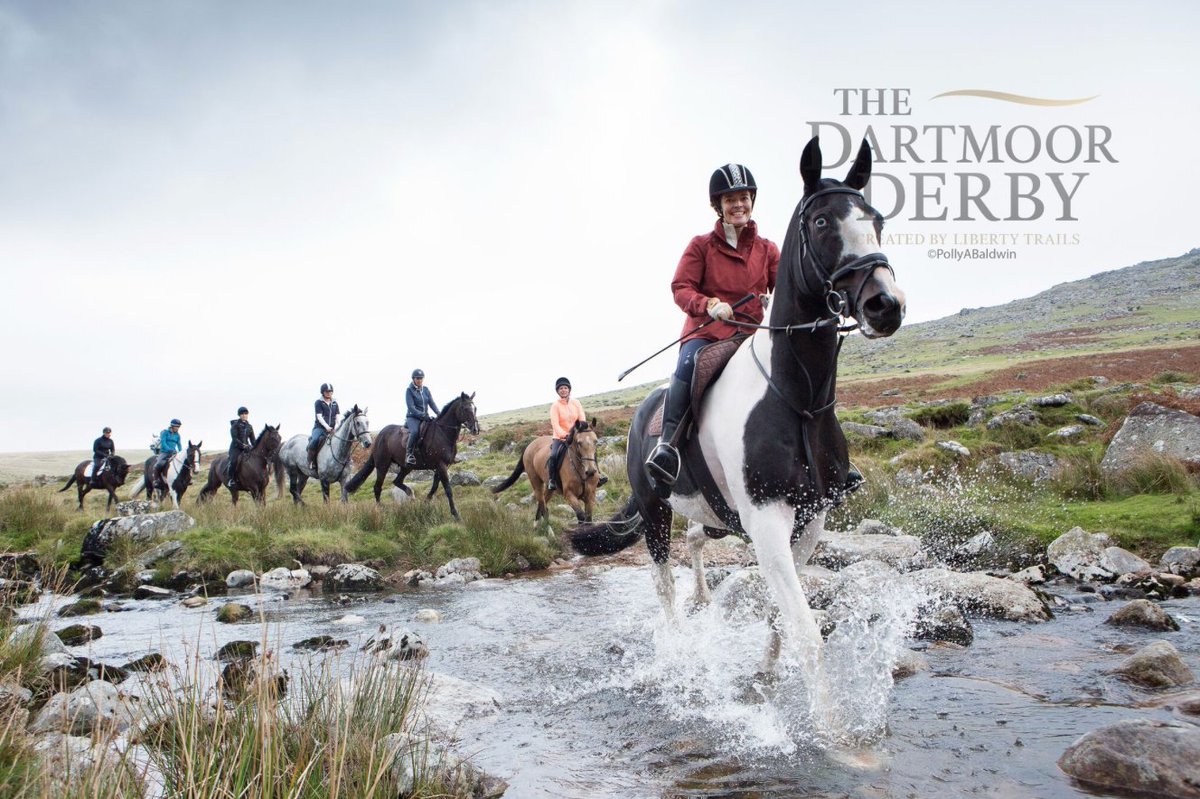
[(564, 413)]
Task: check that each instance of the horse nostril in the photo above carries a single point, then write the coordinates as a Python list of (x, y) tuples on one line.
[(880, 304)]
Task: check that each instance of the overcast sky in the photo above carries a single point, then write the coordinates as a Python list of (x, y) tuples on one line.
[(209, 204)]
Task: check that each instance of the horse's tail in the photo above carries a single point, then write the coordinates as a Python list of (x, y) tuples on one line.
[(70, 483), (512, 478), (360, 476), (277, 464), (606, 538)]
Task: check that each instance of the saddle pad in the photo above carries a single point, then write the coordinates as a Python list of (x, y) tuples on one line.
[(710, 361)]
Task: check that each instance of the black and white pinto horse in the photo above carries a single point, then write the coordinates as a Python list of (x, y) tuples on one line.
[(768, 458), (181, 470), (333, 459)]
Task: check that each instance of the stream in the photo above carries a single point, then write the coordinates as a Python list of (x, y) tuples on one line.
[(601, 698)]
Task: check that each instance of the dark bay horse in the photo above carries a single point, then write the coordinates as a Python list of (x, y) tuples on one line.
[(253, 472), (178, 475), (768, 458), (577, 475), (110, 479), (437, 450)]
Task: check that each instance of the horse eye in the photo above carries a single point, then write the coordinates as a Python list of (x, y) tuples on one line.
[(819, 222)]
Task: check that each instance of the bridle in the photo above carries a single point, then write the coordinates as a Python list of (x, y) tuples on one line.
[(351, 417), (577, 460)]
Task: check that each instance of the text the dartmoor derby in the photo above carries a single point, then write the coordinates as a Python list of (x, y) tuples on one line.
[(1046, 184)]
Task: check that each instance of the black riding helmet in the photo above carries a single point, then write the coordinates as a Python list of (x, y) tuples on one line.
[(728, 179), (326, 387), (242, 410), (417, 373), (560, 382)]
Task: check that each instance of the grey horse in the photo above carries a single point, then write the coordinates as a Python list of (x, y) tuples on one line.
[(333, 459)]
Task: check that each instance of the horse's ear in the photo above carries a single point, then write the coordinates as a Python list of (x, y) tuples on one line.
[(810, 165), (199, 444), (860, 173), (472, 396)]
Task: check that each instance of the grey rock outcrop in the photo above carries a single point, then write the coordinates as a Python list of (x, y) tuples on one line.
[(1152, 429), (242, 578), (96, 704), (1033, 466), (284, 579), (141, 528), (836, 550), (1184, 561)]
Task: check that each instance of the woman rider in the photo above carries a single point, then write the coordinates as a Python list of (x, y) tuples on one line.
[(717, 268), (565, 412)]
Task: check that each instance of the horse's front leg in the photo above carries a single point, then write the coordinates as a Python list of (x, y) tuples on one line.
[(445, 478), (345, 478), (806, 538), (770, 529), (696, 539), (325, 491)]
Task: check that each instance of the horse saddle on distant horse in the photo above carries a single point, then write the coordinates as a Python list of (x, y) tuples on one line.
[(710, 362)]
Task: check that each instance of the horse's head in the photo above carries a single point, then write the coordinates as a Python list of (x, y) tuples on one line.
[(584, 441), (269, 441), (360, 426), (838, 254), (119, 466), (464, 412), (192, 458)]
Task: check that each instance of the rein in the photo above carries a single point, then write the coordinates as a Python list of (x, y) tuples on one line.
[(341, 463), (578, 460)]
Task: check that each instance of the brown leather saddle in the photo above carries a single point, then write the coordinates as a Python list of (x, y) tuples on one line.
[(710, 362)]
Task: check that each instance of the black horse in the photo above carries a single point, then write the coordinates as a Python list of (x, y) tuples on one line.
[(253, 468), (110, 479), (768, 457), (437, 449)]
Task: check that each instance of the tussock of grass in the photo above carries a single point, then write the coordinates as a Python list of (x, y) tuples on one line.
[(1153, 473), (25, 515)]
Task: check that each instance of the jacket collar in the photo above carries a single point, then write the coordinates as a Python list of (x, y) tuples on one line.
[(749, 233)]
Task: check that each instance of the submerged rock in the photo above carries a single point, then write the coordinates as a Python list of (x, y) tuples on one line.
[(1145, 614), (234, 612), (1157, 665), (1149, 757), (78, 634)]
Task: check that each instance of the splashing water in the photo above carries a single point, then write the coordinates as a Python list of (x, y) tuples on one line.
[(706, 669)]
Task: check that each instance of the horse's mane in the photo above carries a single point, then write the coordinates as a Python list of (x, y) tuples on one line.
[(451, 404)]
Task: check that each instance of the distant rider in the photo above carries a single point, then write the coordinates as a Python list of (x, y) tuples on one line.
[(325, 412), (565, 412), (717, 269), (168, 444), (241, 434), (420, 407), (103, 448)]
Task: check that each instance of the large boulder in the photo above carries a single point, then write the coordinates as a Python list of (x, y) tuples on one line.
[(1156, 665), (900, 425), (284, 579), (980, 594), (836, 550), (352, 578), (141, 528), (1028, 465), (1079, 554), (1151, 428), (96, 704), (1151, 758), (1184, 561)]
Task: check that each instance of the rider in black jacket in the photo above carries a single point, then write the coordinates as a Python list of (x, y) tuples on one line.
[(103, 448), (241, 434), (325, 413)]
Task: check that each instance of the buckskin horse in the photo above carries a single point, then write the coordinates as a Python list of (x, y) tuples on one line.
[(110, 479), (333, 459), (577, 475), (768, 458), (254, 469), (176, 478), (436, 449)]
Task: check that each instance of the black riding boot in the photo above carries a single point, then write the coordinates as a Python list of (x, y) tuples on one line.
[(552, 466), (312, 457), (231, 478), (663, 463), (411, 458)]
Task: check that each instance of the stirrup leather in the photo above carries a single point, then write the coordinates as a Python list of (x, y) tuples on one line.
[(656, 469)]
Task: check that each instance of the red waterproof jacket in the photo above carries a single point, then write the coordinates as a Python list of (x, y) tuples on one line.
[(711, 268)]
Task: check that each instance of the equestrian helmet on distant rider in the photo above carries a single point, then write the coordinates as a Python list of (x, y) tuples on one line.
[(560, 382), (728, 179), (327, 387), (175, 423), (417, 373), (242, 410)]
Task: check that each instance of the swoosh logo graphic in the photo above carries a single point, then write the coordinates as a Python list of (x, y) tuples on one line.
[(1011, 98)]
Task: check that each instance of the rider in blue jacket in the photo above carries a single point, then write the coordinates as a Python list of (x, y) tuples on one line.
[(168, 444), (419, 403)]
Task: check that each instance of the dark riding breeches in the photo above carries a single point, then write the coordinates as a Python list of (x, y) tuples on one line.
[(414, 428), (235, 456)]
